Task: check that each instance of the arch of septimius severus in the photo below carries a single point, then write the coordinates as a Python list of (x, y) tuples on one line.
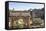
[(20, 17)]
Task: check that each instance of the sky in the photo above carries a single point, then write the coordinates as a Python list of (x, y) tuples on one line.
[(24, 6)]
